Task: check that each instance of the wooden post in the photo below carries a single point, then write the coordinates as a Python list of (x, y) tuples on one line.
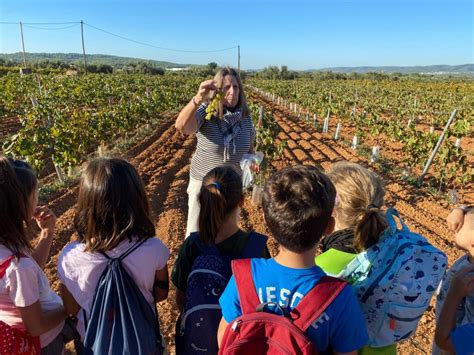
[(436, 148), (355, 141), (23, 44), (83, 48), (326, 122), (375, 154), (338, 131), (238, 59)]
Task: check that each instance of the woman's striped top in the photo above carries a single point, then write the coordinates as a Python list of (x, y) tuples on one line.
[(209, 152)]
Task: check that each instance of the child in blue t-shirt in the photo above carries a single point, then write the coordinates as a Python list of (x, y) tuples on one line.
[(297, 205)]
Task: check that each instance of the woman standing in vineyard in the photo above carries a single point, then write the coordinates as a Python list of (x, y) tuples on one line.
[(223, 137)]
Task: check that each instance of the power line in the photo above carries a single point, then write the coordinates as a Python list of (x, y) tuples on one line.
[(158, 47), (73, 24), (51, 29), (39, 23)]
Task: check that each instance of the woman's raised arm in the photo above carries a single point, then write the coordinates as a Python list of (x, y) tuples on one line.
[(186, 122)]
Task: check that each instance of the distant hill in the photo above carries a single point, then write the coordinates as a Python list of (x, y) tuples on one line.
[(429, 69), (76, 58)]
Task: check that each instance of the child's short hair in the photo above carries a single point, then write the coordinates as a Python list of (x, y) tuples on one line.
[(220, 194), (112, 205), (297, 204)]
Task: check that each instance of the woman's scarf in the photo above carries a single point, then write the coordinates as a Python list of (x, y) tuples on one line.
[(230, 127)]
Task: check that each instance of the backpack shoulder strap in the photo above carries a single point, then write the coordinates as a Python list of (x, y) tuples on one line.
[(315, 302), (254, 245), (6, 263), (132, 249), (127, 252), (242, 270)]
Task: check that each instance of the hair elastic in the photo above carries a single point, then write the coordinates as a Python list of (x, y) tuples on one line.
[(216, 184), (372, 206)]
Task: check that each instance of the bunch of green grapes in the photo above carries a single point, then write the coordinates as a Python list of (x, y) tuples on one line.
[(213, 107)]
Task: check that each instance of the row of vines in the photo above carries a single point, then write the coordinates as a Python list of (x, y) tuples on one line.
[(66, 117), (410, 114)]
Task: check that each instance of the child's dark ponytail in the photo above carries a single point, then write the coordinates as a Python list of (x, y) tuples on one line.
[(221, 193)]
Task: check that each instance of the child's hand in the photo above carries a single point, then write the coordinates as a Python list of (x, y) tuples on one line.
[(455, 220), (46, 219), (464, 237), (463, 283)]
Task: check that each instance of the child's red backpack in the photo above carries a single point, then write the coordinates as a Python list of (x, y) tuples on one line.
[(14, 341), (260, 332)]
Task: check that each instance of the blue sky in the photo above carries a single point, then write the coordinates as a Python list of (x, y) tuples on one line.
[(300, 34)]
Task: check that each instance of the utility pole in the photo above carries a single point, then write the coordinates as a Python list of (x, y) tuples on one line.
[(238, 59), (83, 48), (23, 45)]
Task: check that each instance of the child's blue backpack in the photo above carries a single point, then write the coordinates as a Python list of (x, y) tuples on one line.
[(122, 321), (196, 331), (394, 281)]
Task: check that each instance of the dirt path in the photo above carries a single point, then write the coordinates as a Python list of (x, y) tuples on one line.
[(8, 126), (163, 162)]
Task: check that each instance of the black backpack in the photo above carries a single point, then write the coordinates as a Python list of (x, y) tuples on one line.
[(197, 326)]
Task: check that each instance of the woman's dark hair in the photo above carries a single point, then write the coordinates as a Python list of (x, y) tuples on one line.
[(17, 183), (112, 205), (297, 205), (220, 194)]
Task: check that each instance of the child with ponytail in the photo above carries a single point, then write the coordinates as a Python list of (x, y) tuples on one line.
[(360, 222), (380, 259), (358, 213), (202, 268)]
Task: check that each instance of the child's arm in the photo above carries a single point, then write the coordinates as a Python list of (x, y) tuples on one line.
[(162, 284), (220, 332), (38, 322), (461, 285), (46, 221), (181, 270), (70, 303)]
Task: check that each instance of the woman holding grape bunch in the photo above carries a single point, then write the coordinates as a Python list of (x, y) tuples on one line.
[(219, 116)]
